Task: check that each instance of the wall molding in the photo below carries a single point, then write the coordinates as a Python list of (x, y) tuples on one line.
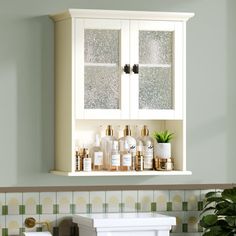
[(117, 187)]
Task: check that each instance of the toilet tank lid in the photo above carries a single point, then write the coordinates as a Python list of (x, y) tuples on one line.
[(97, 220)]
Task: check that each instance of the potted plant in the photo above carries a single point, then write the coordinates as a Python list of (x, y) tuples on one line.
[(221, 213), (163, 144)]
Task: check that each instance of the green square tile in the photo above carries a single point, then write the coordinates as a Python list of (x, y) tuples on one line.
[(138, 206), (121, 207), (105, 207), (39, 229), (55, 208), (22, 230), (4, 210), (39, 209), (184, 206), (169, 206), (200, 205), (72, 208), (4, 232), (184, 228), (88, 208), (21, 209), (153, 206)]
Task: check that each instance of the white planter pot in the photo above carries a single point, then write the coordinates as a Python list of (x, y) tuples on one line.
[(163, 150)]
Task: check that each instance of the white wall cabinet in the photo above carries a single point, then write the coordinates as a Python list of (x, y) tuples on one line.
[(113, 66)]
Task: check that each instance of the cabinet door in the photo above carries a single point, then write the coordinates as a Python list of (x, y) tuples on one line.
[(101, 52), (157, 85)]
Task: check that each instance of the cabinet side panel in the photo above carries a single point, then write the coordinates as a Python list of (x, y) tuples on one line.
[(63, 96), (178, 145)]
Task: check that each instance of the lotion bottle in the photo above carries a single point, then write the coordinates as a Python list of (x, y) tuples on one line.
[(97, 155)]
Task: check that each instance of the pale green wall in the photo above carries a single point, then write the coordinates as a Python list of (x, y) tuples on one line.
[(26, 90)]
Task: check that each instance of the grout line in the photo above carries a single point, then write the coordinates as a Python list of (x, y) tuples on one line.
[(117, 187)]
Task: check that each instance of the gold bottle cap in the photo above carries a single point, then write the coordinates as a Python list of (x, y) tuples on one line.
[(82, 151), (139, 153), (127, 131), (109, 131), (144, 131)]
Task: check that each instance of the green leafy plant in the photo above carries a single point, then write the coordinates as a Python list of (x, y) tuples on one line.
[(163, 137), (221, 217)]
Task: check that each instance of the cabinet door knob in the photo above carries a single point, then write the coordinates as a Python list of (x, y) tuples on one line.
[(127, 68), (136, 68)]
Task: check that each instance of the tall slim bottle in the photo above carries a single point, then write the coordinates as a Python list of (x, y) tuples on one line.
[(147, 144), (126, 158), (131, 143), (115, 157), (106, 146), (97, 155)]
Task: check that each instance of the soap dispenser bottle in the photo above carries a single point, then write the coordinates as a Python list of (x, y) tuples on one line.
[(131, 144), (147, 144)]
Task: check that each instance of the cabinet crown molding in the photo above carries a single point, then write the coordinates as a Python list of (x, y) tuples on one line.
[(117, 14)]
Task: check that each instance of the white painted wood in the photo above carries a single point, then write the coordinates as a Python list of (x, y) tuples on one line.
[(121, 173), (177, 111), (74, 124), (123, 26), (134, 15), (64, 120)]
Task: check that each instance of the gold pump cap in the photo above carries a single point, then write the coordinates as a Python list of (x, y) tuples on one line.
[(109, 131), (144, 131), (127, 131)]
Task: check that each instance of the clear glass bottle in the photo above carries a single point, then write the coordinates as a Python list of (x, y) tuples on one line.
[(97, 155), (147, 144), (126, 158), (106, 146), (131, 143), (115, 157), (87, 163)]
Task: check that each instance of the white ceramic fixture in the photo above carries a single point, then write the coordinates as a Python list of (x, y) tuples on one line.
[(124, 224)]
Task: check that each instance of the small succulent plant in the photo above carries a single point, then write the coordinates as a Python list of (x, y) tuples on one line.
[(163, 137)]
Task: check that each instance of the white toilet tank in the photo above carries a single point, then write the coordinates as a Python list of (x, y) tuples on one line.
[(124, 224)]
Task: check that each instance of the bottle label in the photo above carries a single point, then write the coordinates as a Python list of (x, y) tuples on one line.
[(87, 164), (133, 149), (98, 158), (115, 160), (148, 157), (126, 160)]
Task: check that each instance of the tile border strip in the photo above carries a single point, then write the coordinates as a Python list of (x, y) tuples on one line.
[(116, 187)]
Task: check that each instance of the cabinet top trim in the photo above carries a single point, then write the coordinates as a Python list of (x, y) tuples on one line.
[(128, 15)]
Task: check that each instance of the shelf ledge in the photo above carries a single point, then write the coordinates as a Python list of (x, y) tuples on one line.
[(121, 173)]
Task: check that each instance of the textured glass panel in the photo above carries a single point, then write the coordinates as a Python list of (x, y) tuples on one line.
[(102, 87), (155, 88), (155, 47), (101, 46)]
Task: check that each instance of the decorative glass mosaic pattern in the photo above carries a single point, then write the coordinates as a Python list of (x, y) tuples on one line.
[(101, 46), (155, 47), (101, 87), (53, 207), (155, 88)]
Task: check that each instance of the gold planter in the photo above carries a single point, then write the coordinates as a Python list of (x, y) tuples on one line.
[(164, 164)]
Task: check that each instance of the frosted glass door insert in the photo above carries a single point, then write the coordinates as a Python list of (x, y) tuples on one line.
[(102, 74), (155, 70)]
